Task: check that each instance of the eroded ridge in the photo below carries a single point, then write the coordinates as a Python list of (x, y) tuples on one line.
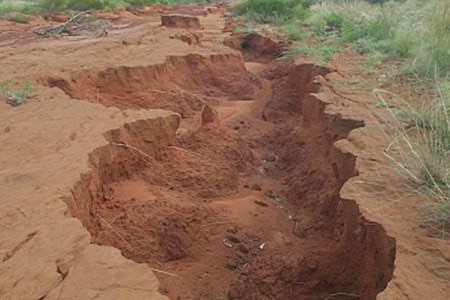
[(181, 83), (186, 203), (337, 251)]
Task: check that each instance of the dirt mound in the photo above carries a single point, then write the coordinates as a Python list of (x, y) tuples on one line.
[(180, 21), (255, 47), (182, 83)]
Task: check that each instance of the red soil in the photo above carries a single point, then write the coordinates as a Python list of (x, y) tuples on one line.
[(240, 196)]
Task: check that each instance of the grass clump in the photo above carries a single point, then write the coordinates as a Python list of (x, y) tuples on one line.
[(52, 6), (293, 31), (64, 6), (367, 32), (321, 54), (424, 150), (81, 5), (58, 6), (273, 11), (18, 18), (8, 7), (16, 97), (414, 30)]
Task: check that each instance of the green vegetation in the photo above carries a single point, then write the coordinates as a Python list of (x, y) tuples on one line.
[(414, 31), (403, 38), (273, 11), (16, 97), (18, 18), (423, 147), (142, 3), (322, 54), (12, 6), (57, 6)]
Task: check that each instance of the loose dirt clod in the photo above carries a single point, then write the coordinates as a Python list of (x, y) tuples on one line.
[(210, 115)]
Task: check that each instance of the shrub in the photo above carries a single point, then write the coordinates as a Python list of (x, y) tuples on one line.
[(18, 18), (16, 97), (424, 149)]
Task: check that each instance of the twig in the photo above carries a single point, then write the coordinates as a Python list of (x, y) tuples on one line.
[(163, 272), (115, 231), (140, 152), (399, 165), (134, 148), (342, 294), (63, 26), (184, 150)]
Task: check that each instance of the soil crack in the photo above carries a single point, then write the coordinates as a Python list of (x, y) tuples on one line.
[(11, 253)]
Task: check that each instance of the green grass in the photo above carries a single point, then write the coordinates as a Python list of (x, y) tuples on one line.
[(273, 11), (293, 31), (396, 38), (143, 3), (321, 54), (414, 31), (423, 147), (58, 6), (12, 6), (16, 97), (18, 18)]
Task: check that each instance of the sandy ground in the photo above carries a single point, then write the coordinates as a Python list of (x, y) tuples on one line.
[(279, 189)]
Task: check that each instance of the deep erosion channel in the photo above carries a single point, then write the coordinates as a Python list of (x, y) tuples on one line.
[(242, 204)]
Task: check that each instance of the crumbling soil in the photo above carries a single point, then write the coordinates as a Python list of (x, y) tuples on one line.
[(194, 209), (237, 195)]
